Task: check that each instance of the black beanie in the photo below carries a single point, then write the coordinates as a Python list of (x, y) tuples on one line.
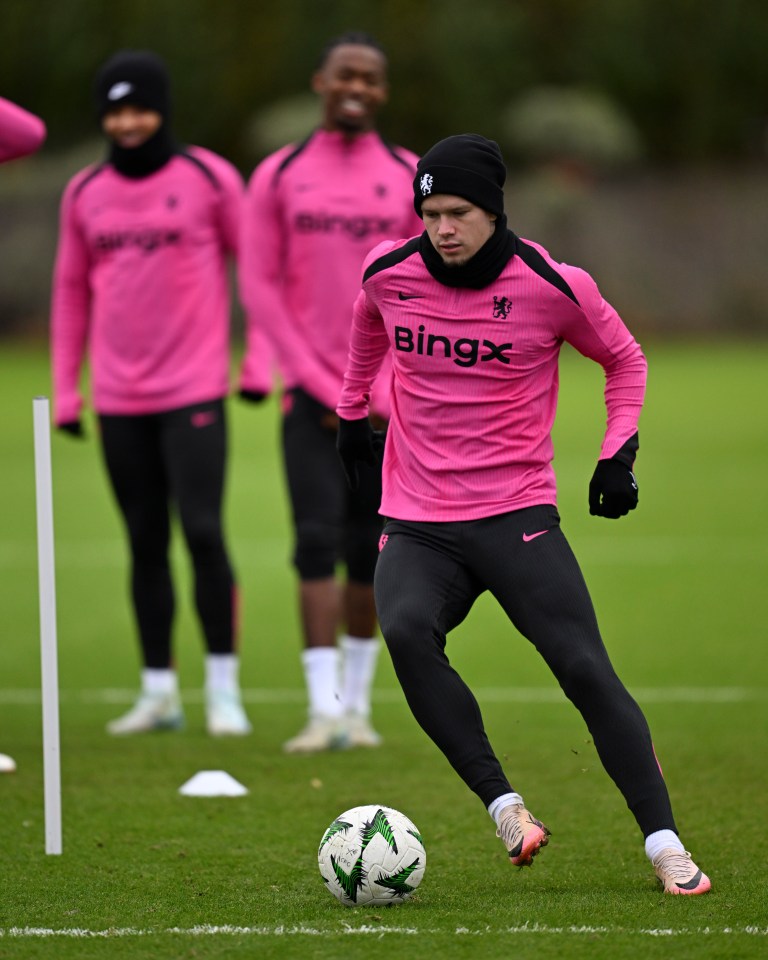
[(466, 165), (136, 77)]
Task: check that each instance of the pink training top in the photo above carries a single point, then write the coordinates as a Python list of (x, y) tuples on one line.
[(476, 379), (141, 281), (313, 211), (21, 132)]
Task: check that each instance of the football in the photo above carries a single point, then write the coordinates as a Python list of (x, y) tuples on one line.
[(371, 856)]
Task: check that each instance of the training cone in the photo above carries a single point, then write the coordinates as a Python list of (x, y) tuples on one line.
[(7, 764), (212, 783)]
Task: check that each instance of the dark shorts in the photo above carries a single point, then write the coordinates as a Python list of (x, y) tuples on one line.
[(332, 523)]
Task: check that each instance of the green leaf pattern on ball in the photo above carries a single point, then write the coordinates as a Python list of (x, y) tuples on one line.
[(396, 882), (350, 882), (381, 825), (338, 826)]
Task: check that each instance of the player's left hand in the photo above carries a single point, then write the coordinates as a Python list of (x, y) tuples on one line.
[(73, 428), (612, 490), (358, 443)]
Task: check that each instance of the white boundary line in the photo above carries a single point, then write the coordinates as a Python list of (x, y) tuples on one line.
[(256, 695), (378, 931)]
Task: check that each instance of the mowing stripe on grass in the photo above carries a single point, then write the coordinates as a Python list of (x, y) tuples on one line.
[(108, 695), (377, 930)]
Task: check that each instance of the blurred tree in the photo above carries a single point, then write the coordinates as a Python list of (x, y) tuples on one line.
[(570, 125), (691, 76)]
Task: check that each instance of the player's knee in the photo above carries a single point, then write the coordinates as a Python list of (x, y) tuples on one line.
[(149, 545), (584, 678), (407, 631), (204, 538), (316, 551)]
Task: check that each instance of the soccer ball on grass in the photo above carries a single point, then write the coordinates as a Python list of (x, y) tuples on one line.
[(371, 856)]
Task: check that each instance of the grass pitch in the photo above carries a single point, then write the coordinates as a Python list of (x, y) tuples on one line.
[(679, 590)]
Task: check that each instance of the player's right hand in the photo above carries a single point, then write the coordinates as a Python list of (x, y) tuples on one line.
[(252, 396), (73, 427)]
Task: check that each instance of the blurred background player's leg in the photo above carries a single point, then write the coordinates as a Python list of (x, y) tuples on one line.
[(338, 672), (195, 450), (360, 645), (317, 501), (132, 455)]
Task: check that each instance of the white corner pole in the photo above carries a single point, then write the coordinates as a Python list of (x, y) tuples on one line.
[(48, 653)]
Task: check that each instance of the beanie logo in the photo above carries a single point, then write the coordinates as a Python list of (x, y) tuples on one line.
[(425, 184), (119, 90)]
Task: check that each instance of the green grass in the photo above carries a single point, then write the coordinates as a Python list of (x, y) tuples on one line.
[(679, 589)]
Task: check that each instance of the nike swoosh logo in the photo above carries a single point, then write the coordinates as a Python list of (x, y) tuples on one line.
[(203, 418), (527, 537), (410, 296)]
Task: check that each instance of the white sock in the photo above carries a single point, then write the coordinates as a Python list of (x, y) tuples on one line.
[(221, 672), (505, 800), (359, 656), (154, 681), (662, 840), (321, 672)]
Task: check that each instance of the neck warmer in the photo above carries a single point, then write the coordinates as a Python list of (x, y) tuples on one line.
[(137, 162), (481, 269)]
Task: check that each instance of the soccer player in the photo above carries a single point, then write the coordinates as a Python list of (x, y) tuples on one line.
[(21, 132), (313, 210), (474, 318), (141, 285)]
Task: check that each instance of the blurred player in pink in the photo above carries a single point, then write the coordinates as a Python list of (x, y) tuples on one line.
[(21, 133), (313, 211), (474, 319), (141, 288)]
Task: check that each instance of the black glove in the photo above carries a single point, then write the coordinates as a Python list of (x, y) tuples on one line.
[(612, 490), (74, 428), (253, 396), (357, 442)]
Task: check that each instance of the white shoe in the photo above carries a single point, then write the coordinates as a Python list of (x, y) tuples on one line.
[(522, 833), (152, 711), (321, 733), (679, 874), (225, 716), (360, 733)]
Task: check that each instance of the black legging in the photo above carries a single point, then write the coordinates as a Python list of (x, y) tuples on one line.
[(427, 578), (178, 459)]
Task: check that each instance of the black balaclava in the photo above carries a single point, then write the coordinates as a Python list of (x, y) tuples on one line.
[(140, 78), (470, 166)]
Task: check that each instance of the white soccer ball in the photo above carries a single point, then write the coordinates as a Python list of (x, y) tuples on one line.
[(372, 856)]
